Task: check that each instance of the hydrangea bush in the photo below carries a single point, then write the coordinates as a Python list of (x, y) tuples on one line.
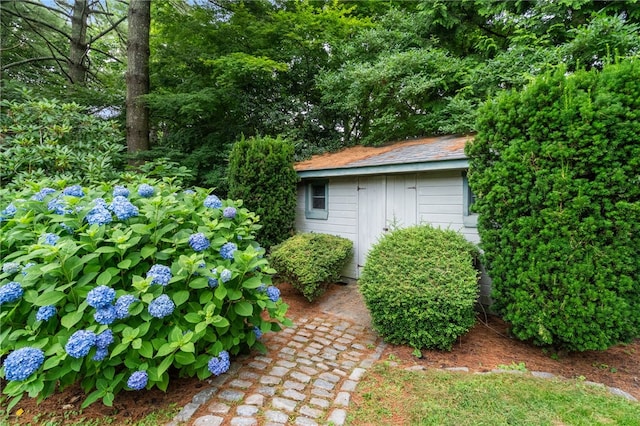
[(123, 287)]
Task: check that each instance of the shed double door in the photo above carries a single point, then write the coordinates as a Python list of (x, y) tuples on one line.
[(384, 202)]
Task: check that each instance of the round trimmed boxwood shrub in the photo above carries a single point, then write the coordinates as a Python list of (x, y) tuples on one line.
[(556, 172), (311, 261), (121, 287), (421, 286)]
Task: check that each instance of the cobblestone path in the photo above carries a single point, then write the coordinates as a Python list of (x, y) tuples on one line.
[(306, 378)]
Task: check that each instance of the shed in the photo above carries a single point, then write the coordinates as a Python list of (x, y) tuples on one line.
[(360, 193)]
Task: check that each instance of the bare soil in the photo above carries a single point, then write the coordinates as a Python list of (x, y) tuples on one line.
[(484, 348)]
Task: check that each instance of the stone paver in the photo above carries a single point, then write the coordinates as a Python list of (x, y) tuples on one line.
[(306, 377)]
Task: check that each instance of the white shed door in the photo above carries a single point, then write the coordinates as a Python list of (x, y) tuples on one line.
[(383, 201), (371, 214), (401, 201)]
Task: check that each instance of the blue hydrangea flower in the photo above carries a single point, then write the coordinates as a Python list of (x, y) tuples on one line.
[(138, 380), (122, 305), (159, 274), (189, 191), (50, 239), (146, 190), (121, 191), (10, 292), (22, 363), (45, 313), (80, 343), (67, 228), (9, 211), (98, 215), (122, 208), (213, 282), (212, 202), (220, 364), (104, 339), (58, 206), (43, 193), (105, 316), (199, 242), (10, 267), (226, 251), (257, 332), (101, 297), (101, 353), (229, 212), (26, 267), (73, 191), (161, 306), (273, 293), (225, 275), (261, 288), (99, 202)]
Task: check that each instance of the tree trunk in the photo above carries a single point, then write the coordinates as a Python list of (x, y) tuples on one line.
[(78, 47), (138, 75)]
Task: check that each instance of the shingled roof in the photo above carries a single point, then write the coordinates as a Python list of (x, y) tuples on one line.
[(409, 155)]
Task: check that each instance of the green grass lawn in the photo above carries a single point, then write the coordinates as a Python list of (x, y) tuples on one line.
[(389, 395)]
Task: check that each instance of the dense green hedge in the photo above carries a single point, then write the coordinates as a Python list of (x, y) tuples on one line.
[(421, 286), (261, 174), (311, 261), (556, 169)]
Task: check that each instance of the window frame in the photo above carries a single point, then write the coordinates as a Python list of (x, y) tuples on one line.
[(309, 211), (469, 219)]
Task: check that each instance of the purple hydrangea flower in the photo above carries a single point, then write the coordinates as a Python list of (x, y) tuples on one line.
[(257, 332), (161, 306), (45, 312), (273, 293), (159, 274), (80, 343), (101, 297), (212, 202), (229, 212), (10, 292), (105, 316), (138, 380), (225, 275), (101, 353), (226, 251), (199, 242), (22, 363), (50, 239), (120, 191), (40, 196), (122, 208), (98, 215), (146, 190), (10, 267), (220, 364), (104, 339), (73, 191), (122, 305)]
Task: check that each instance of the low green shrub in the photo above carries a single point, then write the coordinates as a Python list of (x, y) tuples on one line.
[(420, 286), (118, 286), (311, 261)]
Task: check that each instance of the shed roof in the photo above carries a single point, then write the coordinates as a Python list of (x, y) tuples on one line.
[(436, 153)]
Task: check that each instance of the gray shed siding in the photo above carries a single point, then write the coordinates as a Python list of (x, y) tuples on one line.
[(439, 201)]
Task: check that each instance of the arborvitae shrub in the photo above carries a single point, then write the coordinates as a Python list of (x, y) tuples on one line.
[(261, 174), (556, 169), (421, 286), (311, 261)]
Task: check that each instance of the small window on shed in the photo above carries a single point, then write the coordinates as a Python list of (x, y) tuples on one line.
[(469, 218), (317, 200)]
